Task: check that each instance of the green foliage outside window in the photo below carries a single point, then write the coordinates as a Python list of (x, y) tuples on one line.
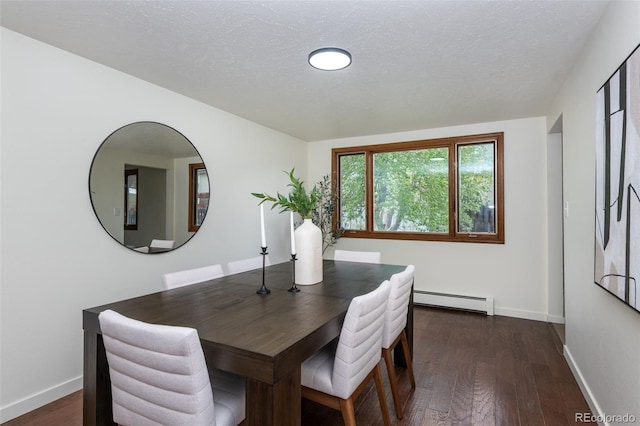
[(352, 191), (411, 191), (476, 182)]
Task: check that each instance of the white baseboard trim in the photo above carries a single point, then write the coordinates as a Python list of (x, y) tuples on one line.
[(505, 312), (586, 391), (519, 313), (557, 319), (23, 406), (456, 301)]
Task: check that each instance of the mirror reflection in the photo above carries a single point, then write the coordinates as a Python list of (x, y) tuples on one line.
[(149, 187)]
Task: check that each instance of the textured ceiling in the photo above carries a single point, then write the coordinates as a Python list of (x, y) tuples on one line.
[(416, 64)]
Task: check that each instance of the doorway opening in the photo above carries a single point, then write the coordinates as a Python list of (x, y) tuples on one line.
[(557, 210)]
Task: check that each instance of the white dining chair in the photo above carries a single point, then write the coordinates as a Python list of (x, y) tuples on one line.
[(159, 376), (338, 373), (166, 244), (191, 276), (395, 321), (143, 249), (242, 265), (357, 256)]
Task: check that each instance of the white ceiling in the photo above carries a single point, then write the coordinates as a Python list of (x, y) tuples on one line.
[(416, 64)]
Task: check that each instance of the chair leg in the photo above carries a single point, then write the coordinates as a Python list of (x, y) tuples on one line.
[(393, 381), (383, 402), (407, 357), (348, 412)]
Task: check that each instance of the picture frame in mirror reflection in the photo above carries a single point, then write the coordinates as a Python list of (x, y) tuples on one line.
[(131, 199), (147, 181), (617, 216), (198, 195)]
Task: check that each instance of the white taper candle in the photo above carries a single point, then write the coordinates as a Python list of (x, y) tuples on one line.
[(293, 238), (263, 239)]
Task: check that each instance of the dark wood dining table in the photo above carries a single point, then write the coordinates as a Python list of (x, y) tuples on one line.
[(264, 338)]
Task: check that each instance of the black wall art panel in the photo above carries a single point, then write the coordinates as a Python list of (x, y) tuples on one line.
[(617, 239)]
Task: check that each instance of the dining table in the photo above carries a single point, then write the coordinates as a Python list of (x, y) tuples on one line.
[(263, 337)]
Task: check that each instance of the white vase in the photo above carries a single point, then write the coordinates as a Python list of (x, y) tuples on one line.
[(309, 253)]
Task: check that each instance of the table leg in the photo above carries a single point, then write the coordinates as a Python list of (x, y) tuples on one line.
[(274, 405), (96, 404)]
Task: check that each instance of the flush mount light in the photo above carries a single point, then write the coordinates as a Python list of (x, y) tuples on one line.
[(330, 59)]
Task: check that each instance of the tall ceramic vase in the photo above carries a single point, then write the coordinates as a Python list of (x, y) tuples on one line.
[(309, 253)]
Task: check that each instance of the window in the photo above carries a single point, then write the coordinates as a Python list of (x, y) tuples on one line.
[(441, 189), (198, 195), (131, 199)]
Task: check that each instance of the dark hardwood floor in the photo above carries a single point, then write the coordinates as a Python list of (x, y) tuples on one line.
[(470, 369)]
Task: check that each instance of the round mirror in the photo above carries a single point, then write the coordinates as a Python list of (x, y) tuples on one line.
[(149, 187)]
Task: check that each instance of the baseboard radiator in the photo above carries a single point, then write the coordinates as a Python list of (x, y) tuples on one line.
[(454, 301)]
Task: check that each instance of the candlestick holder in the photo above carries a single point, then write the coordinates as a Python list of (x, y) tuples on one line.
[(263, 289), (294, 288)]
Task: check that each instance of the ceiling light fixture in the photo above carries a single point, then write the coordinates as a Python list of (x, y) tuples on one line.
[(330, 59)]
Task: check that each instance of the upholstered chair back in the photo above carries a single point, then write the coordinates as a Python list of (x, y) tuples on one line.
[(191, 276), (357, 256), (395, 317), (360, 341), (158, 373), (242, 265), (162, 243)]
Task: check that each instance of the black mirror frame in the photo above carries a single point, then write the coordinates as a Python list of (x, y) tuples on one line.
[(91, 193)]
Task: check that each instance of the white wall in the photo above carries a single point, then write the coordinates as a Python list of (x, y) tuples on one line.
[(56, 259), (513, 273), (555, 278), (602, 335)]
